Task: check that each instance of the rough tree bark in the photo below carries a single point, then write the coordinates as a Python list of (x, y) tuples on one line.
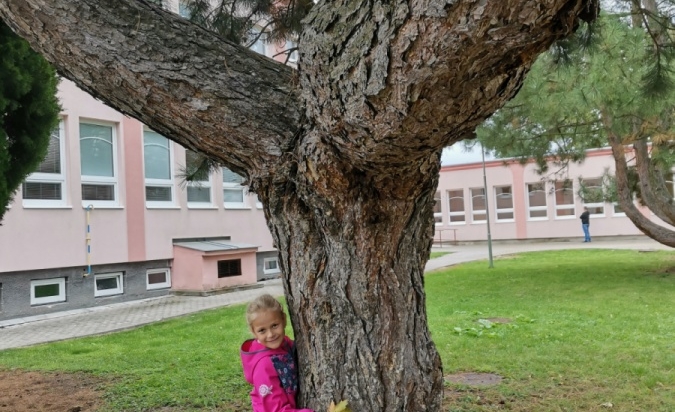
[(625, 195), (344, 154), (653, 189)]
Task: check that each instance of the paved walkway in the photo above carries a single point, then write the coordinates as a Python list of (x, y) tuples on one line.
[(84, 322)]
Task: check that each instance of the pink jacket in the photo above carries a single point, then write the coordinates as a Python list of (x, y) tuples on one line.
[(273, 374)]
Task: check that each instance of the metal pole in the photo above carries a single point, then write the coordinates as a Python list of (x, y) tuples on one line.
[(88, 241), (487, 208)]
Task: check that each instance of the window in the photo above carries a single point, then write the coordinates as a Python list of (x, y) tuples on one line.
[(157, 161), (199, 190), (47, 291), (438, 209), (271, 265), (456, 203), (97, 161), (293, 56), (233, 191), (108, 284), (183, 9), (536, 201), (228, 268), (478, 214), (158, 279), (564, 200), (504, 204), (258, 45), (668, 177), (45, 187), (594, 198)]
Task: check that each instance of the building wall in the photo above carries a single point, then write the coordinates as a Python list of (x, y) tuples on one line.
[(79, 288), (512, 174), (51, 240), (64, 239)]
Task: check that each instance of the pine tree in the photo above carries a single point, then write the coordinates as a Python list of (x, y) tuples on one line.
[(28, 112)]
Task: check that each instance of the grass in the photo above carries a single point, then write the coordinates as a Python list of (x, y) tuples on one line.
[(434, 255), (587, 328)]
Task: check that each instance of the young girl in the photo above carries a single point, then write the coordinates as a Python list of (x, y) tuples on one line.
[(268, 359)]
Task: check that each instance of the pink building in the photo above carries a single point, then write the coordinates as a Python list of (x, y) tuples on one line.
[(107, 218), (522, 205)]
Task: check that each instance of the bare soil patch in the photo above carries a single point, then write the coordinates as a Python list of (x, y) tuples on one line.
[(22, 391), (474, 379)]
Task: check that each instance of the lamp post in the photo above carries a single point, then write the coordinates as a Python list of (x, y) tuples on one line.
[(487, 209)]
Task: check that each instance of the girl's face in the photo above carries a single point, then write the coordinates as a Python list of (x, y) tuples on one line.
[(268, 327)]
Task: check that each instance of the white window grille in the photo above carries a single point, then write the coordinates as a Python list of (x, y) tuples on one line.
[(504, 204), (47, 291), (564, 200), (46, 186), (108, 284), (233, 190), (456, 212), (536, 201), (157, 165), (158, 279), (438, 209), (478, 210), (271, 265), (198, 191), (98, 161)]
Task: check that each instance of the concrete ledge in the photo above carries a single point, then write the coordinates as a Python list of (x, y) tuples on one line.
[(216, 291)]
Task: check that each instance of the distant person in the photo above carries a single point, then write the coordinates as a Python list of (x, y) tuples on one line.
[(585, 224), (269, 359)]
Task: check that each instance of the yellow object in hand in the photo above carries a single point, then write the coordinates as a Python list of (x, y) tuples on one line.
[(340, 407)]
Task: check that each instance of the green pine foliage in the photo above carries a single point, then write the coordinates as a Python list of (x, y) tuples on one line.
[(28, 112), (236, 20), (582, 90)]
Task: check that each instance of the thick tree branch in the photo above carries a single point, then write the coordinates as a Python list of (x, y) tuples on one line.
[(652, 188), (155, 66), (414, 76), (646, 226)]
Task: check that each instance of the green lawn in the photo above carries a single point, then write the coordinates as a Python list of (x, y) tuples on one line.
[(434, 255), (586, 328)]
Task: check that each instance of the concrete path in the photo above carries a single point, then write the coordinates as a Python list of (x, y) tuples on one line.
[(105, 319)]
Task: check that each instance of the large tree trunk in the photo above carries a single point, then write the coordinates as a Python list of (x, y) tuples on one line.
[(346, 164), (354, 256)]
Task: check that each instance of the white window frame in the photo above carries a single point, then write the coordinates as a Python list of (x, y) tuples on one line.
[(201, 184), (293, 56), (438, 202), (479, 211), (97, 180), (531, 208), (258, 203), (61, 297), (163, 285), (154, 182), (615, 213), (229, 186), (600, 205), (503, 210), (54, 178), (452, 213), (109, 292), (271, 271), (570, 206), (259, 46)]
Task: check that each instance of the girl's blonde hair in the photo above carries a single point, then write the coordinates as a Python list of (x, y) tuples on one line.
[(264, 302)]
